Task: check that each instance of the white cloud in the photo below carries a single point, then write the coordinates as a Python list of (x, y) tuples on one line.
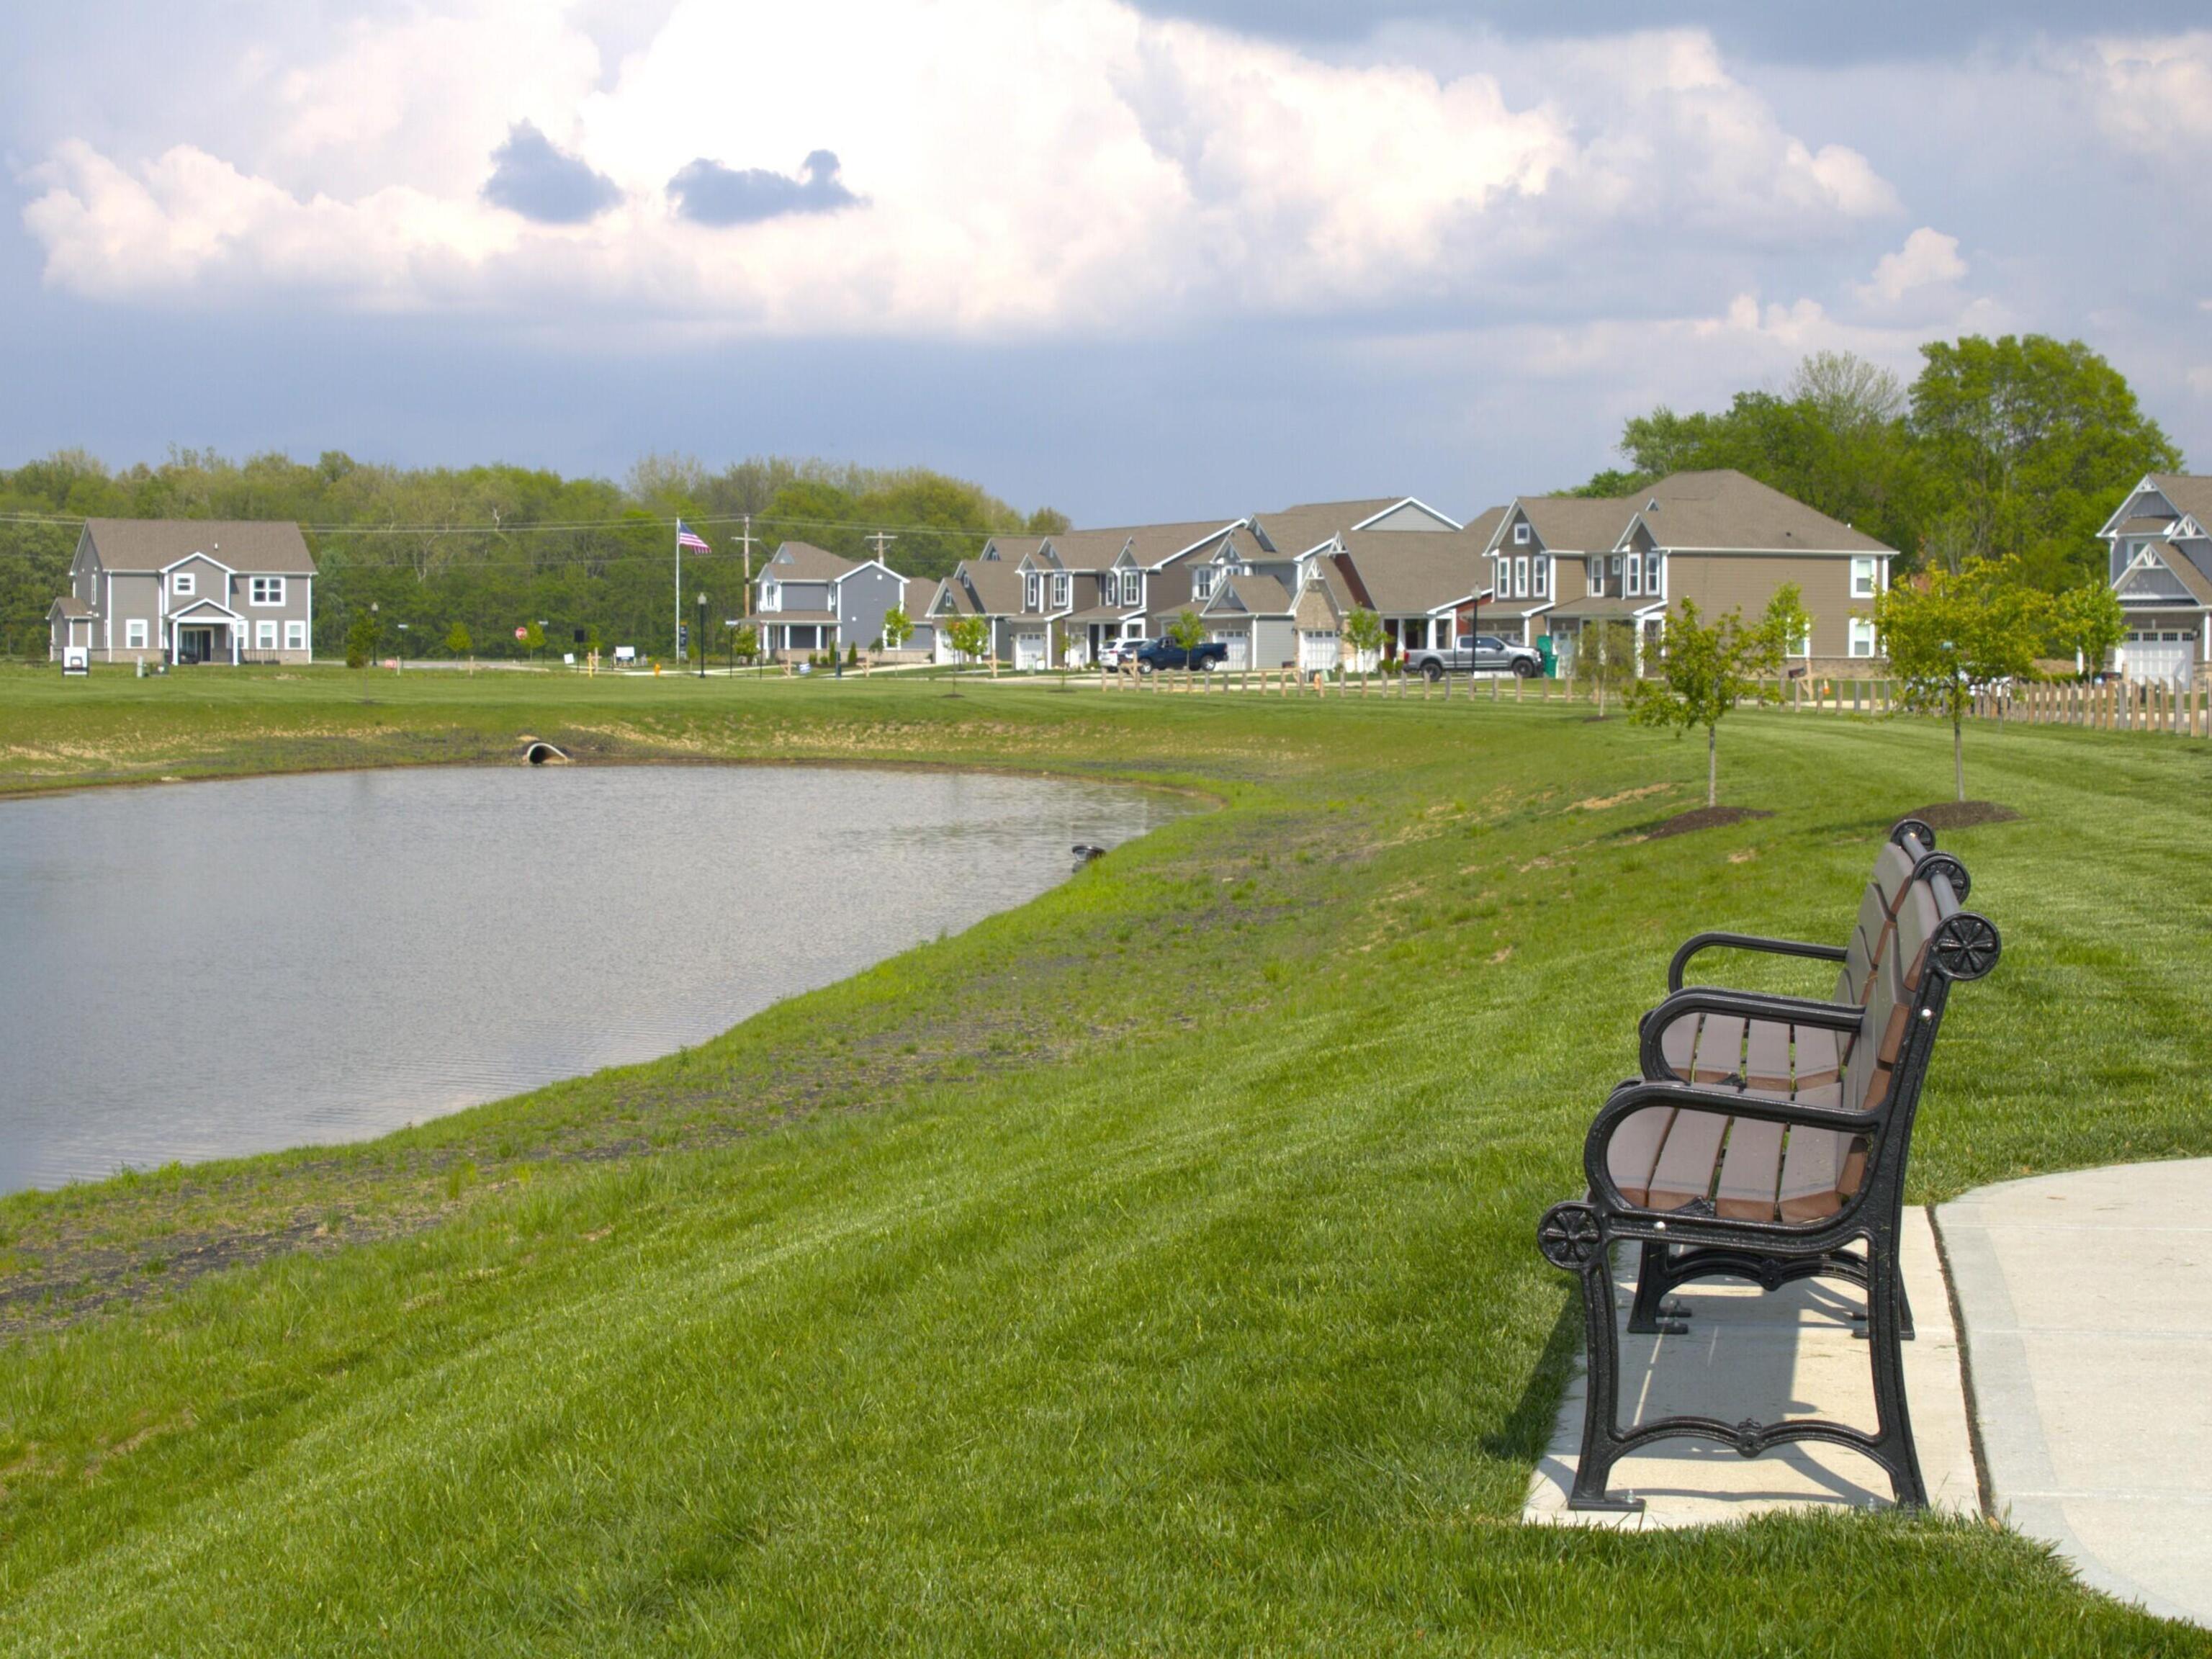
[(1928, 257), (2155, 95), (1025, 167)]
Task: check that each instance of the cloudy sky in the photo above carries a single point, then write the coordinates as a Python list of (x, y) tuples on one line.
[(1133, 258)]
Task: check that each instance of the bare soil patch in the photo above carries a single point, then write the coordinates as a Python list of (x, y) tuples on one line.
[(1963, 814), (1704, 817)]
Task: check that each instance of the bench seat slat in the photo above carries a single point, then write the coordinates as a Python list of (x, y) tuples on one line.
[(1684, 1170), (1766, 1055), (1634, 1149), (1720, 1049), (1750, 1170)]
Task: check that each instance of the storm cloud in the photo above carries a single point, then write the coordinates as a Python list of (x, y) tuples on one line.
[(530, 177), (709, 193)]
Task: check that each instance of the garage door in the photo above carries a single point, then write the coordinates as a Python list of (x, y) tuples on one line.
[(1028, 651), (1317, 651), (1240, 648), (2155, 654)]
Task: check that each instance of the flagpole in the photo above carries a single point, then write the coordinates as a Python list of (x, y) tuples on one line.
[(675, 630)]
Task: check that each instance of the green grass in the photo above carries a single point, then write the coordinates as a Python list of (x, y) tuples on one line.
[(1150, 1270)]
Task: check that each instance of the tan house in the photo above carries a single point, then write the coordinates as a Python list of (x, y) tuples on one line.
[(1558, 565), (187, 591), (2160, 567)]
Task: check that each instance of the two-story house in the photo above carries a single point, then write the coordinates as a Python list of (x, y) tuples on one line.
[(1562, 564), (2161, 568), (187, 591), (809, 599)]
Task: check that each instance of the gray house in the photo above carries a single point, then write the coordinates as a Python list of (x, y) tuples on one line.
[(2161, 570), (809, 599), (187, 591)]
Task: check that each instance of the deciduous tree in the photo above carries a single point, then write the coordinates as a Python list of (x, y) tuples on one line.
[(1703, 672), (1950, 634)]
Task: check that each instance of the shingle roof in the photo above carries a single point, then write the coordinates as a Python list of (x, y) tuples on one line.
[(2142, 526), (1010, 550), (251, 546), (997, 584), (1263, 596), (804, 618), (1728, 511), (917, 597), (1294, 529), (1577, 524), (1090, 549), (2190, 492), (1603, 607), (69, 605), (1407, 574), (2173, 560), (1483, 525), (802, 561)]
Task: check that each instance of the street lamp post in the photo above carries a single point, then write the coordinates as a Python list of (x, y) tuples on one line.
[(699, 636), (399, 662)]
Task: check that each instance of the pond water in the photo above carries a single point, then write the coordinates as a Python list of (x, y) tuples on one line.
[(200, 970)]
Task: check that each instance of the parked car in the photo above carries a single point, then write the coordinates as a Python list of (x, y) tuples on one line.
[(1118, 653), (1155, 654), (1476, 653)]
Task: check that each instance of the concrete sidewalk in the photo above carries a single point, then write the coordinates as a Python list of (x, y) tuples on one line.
[(2086, 1300), (1788, 1354)]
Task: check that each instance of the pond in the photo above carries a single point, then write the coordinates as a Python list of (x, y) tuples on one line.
[(200, 970)]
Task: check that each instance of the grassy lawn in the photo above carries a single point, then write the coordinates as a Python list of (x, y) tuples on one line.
[(1151, 1270)]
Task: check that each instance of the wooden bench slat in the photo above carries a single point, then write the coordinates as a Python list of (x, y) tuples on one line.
[(1720, 1049), (1634, 1149), (1679, 1044), (1766, 1056), (1750, 1172), (1684, 1173), (1813, 1168), (1817, 1058)]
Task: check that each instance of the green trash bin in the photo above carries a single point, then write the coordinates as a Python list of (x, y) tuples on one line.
[(1548, 656)]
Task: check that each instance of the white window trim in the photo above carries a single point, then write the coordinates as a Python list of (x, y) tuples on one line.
[(1634, 587), (135, 634), (1655, 575), (253, 586), (1543, 577), (1201, 582), (1521, 533), (1863, 633), (1059, 591), (1597, 571), (185, 584), (1520, 577), (295, 635), (1871, 571), (264, 634)]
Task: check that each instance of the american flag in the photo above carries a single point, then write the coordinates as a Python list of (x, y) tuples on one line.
[(690, 538)]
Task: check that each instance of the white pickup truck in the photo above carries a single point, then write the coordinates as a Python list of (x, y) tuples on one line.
[(1475, 654)]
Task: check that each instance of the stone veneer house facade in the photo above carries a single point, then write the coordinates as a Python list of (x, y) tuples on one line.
[(1559, 564), (2161, 568), (187, 591)]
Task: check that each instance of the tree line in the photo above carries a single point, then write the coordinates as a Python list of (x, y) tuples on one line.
[(473, 554)]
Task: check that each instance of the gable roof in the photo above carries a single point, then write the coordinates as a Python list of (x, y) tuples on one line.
[(1011, 549), (1569, 524), (1727, 511), (995, 583), (1089, 550), (919, 594), (1262, 596), (1414, 575), (251, 546), (802, 561), (1153, 544), (2162, 574), (69, 605)]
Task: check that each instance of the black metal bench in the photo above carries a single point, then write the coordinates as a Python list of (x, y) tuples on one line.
[(1727, 1160)]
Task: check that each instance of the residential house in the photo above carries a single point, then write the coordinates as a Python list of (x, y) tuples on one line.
[(2161, 568), (920, 597), (809, 599), (1560, 565), (187, 591)]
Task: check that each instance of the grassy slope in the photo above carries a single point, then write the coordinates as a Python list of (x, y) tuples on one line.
[(1184, 1299)]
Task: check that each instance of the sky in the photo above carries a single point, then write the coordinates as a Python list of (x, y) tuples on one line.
[(1132, 259)]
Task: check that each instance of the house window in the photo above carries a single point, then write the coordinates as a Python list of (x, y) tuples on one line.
[(267, 589), (295, 637), (1543, 578), (1863, 577), (1615, 572), (1201, 582), (1060, 592), (1520, 577), (1651, 574), (1033, 591), (1635, 575), (134, 633), (264, 635), (183, 584), (1862, 637), (1596, 577), (1521, 533), (771, 596)]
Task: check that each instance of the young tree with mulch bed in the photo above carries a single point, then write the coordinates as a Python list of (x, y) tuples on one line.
[(1610, 661), (1703, 672), (1363, 632), (1950, 634)]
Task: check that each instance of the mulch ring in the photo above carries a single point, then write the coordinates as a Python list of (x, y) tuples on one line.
[(1963, 814), (1705, 817)]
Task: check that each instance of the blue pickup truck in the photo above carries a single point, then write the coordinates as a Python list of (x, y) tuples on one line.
[(1156, 654)]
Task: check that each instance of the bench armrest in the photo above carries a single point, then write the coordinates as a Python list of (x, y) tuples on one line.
[(1720, 941), (1629, 1099)]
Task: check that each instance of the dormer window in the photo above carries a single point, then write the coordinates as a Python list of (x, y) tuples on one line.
[(1521, 533)]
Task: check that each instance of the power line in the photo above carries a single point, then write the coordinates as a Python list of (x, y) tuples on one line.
[(574, 526)]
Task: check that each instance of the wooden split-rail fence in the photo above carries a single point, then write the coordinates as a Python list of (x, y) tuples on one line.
[(2110, 705)]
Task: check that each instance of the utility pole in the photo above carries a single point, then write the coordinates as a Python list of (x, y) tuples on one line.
[(880, 538)]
